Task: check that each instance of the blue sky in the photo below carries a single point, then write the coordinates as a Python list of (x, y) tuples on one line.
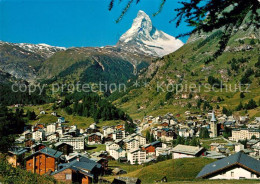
[(77, 22)]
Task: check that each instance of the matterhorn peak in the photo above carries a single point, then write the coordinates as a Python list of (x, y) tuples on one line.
[(145, 38)]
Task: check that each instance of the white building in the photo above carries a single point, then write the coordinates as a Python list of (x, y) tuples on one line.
[(108, 130), (117, 153), (112, 146), (162, 151), (239, 147), (51, 137), (60, 131), (136, 156), (93, 126), (38, 135), (132, 144), (78, 143), (184, 133), (237, 166), (141, 139), (118, 134), (242, 134), (51, 128)]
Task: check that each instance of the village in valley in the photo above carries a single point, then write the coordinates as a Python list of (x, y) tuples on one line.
[(72, 154)]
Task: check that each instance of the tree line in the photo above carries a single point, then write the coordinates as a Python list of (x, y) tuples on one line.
[(92, 105)]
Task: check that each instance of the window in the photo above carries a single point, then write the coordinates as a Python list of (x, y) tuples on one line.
[(252, 175), (232, 174), (68, 176)]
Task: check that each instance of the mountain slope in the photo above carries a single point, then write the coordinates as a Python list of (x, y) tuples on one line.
[(143, 37), (90, 64), (192, 65), (24, 60)]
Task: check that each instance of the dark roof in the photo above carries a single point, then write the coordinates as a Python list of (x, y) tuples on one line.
[(17, 150), (155, 142), (126, 180), (48, 151), (91, 163), (80, 165), (61, 143), (239, 158)]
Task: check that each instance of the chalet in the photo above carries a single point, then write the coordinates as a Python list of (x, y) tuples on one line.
[(29, 142), (108, 130), (95, 138), (43, 161), (38, 146), (167, 134), (38, 126), (81, 170), (150, 148), (103, 162), (184, 151), (16, 155), (237, 166), (163, 125), (91, 131), (65, 148)]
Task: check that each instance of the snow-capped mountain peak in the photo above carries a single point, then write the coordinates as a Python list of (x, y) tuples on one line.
[(145, 38)]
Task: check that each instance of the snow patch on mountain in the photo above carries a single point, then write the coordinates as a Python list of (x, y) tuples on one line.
[(145, 38), (42, 49)]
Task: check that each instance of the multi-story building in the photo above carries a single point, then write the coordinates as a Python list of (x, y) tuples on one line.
[(43, 161), (119, 134), (244, 133), (95, 138), (116, 154), (38, 135), (137, 156), (132, 144), (112, 146), (51, 128), (108, 130), (77, 142)]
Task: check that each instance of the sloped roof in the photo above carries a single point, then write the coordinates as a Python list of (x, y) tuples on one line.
[(155, 142), (237, 159), (48, 151), (189, 150), (17, 150), (83, 165)]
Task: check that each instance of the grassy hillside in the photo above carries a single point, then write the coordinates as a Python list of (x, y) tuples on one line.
[(177, 171), (178, 80), (80, 121), (174, 170)]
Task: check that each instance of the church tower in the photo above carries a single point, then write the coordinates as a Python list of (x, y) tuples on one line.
[(213, 126)]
